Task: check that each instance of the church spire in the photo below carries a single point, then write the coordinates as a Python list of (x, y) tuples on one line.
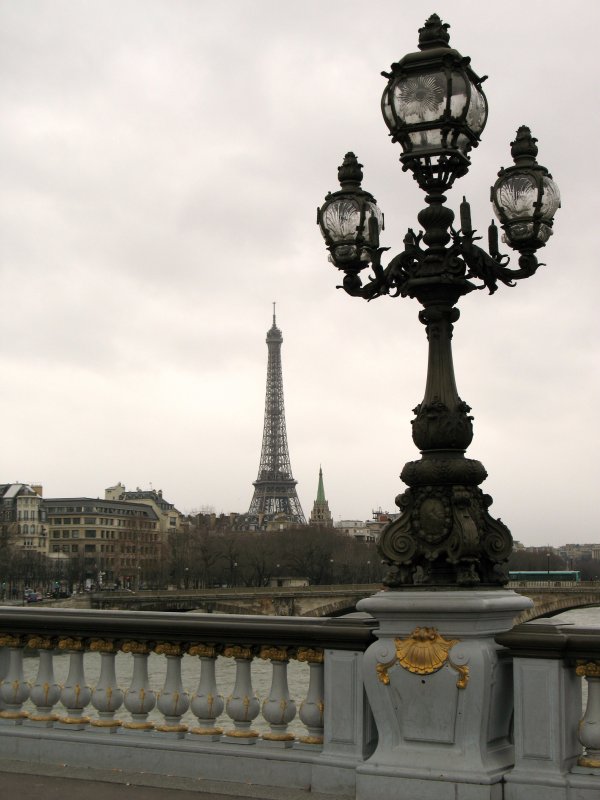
[(321, 515)]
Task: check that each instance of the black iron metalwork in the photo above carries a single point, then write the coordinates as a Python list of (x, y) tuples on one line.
[(434, 106), (275, 488)]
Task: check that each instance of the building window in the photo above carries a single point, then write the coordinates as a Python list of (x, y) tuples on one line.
[(56, 534), (90, 548), (90, 534), (74, 534)]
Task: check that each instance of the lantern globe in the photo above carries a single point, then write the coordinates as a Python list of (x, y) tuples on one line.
[(435, 108), (525, 198), (350, 219)]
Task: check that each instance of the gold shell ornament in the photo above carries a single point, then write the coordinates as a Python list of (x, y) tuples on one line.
[(424, 652)]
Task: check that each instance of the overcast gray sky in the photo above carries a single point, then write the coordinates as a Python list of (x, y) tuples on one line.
[(161, 162)]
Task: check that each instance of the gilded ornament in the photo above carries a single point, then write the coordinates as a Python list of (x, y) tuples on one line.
[(310, 655), (66, 643), (206, 731), (106, 723), (168, 649), (242, 734), (7, 640), (311, 739), (40, 643), (237, 651), (103, 646), (278, 737), (138, 726), (588, 669), (590, 763), (274, 653), (424, 652), (74, 720), (203, 650), (171, 728), (138, 648)]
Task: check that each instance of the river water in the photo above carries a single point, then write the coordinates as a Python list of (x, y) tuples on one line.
[(298, 673)]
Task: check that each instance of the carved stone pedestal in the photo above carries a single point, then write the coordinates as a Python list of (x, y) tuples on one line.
[(440, 693)]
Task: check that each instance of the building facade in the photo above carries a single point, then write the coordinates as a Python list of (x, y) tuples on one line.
[(104, 542), (22, 517)]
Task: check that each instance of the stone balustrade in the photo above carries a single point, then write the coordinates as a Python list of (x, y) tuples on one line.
[(557, 750), (317, 741), (284, 740)]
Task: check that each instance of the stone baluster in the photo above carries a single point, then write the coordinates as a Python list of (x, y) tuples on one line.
[(75, 695), (173, 700), (4, 659), (107, 698), (278, 709), (242, 706), (313, 707), (45, 692), (589, 727), (139, 697), (207, 704), (14, 690)]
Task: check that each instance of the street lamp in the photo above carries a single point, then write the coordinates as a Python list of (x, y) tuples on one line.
[(435, 108)]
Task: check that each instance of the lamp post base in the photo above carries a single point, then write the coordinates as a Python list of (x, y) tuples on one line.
[(441, 694)]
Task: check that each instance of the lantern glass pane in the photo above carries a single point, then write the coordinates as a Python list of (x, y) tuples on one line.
[(372, 210), (387, 110), (426, 140), (421, 98), (550, 198), (516, 197), (476, 111), (341, 219), (458, 98)]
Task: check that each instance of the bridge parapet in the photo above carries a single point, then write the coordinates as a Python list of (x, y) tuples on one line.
[(271, 742), (321, 746)]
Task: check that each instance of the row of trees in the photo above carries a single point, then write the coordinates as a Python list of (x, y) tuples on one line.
[(198, 557)]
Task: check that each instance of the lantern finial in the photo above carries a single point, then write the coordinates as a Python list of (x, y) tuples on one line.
[(524, 149), (434, 33), (350, 172)]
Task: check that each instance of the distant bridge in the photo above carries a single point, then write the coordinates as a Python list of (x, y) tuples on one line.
[(316, 601)]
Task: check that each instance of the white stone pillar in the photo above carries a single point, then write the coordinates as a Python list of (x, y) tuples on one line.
[(75, 695), (207, 704), (107, 697), (312, 708), (14, 690), (440, 695), (45, 692), (139, 698), (173, 700), (278, 709), (242, 706)]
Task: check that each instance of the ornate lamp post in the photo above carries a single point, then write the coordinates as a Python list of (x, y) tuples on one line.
[(435, 108)]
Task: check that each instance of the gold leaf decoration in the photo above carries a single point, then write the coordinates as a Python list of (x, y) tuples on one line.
[(423, 652), (67, 643), (588, 669), (6, 640), (237, 651), (203, 650), (274, 653), (102, 646), (167, 649), (139, 648), (40, 643), (310, 655)]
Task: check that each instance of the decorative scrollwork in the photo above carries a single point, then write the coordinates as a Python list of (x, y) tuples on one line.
[(274, 653), (203, 650), (168, 649), (68, 643), (138, 648), (238, 651)]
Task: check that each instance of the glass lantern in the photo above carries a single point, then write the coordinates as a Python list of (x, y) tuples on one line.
[(525, 198), (350, 220), (434, 107)]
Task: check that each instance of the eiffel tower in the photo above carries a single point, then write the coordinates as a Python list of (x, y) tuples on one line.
[(275, 488)]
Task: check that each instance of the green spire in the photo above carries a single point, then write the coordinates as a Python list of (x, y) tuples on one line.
[(320, 490)]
